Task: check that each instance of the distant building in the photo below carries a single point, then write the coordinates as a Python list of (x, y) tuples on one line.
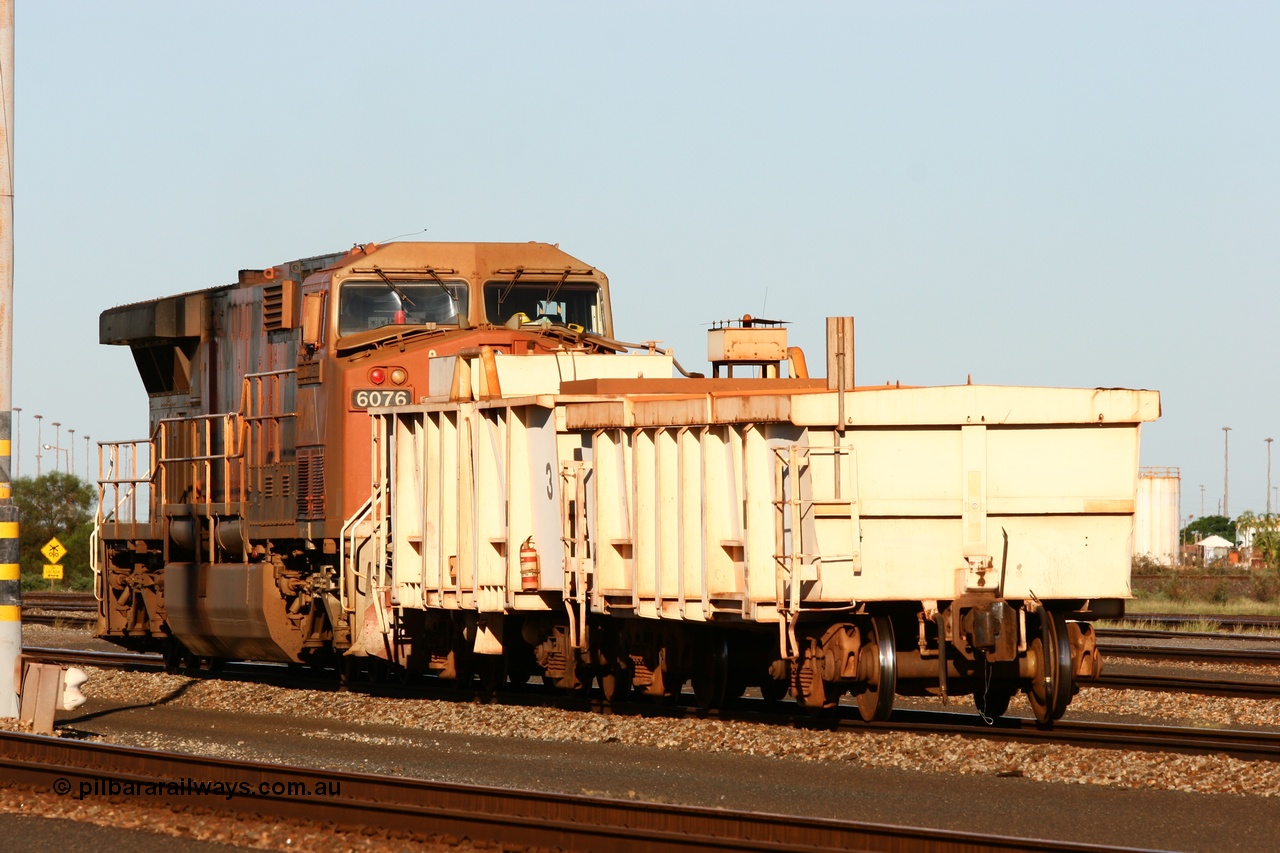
[(1156, 515), (1215, 548)]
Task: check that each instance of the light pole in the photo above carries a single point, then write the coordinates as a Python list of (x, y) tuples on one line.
[(86, 458), (1202, 500), (57, 441), (1226, 470), (39, 438), (17, 439), (56, 449), (71, 451), (1269, 440)]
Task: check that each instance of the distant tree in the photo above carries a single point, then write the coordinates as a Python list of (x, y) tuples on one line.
[(1266, 534), (54, 505), (1209, 525)]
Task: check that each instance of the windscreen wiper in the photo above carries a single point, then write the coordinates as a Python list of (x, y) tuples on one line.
[(447, 292), (396, 289)]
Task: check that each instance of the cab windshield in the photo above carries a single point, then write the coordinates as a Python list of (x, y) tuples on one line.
[(368, 305), (563, 304)]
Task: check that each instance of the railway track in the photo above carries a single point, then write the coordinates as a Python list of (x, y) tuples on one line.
[(502, 816), (1165, 634), (1191, 653), (1249, 745), (60, 600), (1226, 623), (70, 620), (1233, 689)]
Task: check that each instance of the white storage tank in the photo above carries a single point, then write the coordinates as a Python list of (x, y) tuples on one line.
[(1157, 514)]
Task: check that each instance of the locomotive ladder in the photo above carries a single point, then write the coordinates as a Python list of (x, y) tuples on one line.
[(362, 542), (799, 557), (126, 473)]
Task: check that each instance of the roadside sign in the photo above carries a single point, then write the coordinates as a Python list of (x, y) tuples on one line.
[(53, 573), (53, 550)]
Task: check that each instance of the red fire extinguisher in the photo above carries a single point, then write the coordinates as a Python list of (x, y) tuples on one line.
[(529, 573)]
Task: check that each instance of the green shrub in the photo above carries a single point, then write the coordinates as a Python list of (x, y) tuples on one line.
[(1263, 586), (1175, 588)]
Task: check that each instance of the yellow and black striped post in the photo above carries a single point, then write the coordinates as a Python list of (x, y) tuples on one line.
[(10, 580), (10, 587)]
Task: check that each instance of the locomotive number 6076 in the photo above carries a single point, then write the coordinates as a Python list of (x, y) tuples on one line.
[(364, 398)]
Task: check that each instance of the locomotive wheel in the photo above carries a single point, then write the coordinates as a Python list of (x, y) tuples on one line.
[(876, 701), (174, 656), (710, 673), (774, 689), (1050, 688)]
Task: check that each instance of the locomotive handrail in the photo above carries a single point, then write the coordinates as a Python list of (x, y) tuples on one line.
[(245, 385), (265, 408), (196, 432)]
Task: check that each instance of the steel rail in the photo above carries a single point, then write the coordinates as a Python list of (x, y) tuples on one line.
[(70, 620), (1196, 653), (1249, 745), (60, 600), (503, 816), (1238, 743), (1156, 634), (1233, 622), (1181, 684)]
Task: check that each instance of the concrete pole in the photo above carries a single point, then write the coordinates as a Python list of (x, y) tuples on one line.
[(1226, 470), (10, 570)]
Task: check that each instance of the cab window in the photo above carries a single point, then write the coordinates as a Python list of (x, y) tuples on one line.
[(365, 305), (563, 304)]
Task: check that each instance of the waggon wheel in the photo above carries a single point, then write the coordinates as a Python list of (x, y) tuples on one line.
[(992, 701), (349, 667), (808, 685), (615, 684), (1050, 688), (492, 670), (710, 672), (379, 670), (405, 676), (876, 701)]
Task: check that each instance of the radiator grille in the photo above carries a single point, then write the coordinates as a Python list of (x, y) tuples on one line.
[(277, 306), (311, 483)]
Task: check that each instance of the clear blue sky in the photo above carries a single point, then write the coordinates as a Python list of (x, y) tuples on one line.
[(1083, 194)]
